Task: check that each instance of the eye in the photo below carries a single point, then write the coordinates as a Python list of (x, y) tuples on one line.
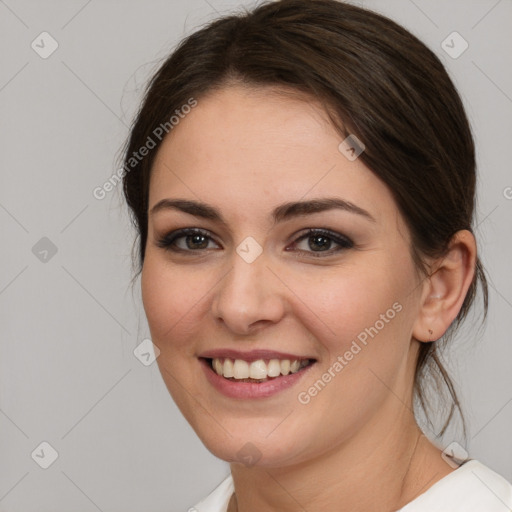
[(320, 241), (315, 242), (186, 240)]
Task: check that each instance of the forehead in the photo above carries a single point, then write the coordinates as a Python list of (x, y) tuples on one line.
[(257, 147), (252, 125)]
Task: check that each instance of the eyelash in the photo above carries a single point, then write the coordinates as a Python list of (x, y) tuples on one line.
[(168, 241)]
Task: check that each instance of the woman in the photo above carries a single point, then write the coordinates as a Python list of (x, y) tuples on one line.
[(302, 178)]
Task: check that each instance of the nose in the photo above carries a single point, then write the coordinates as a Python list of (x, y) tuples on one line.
[(249, 297)]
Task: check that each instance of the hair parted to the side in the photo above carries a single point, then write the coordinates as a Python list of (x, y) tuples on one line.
[(376, 81)]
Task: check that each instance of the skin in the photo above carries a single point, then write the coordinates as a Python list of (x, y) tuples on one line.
[(355, 446)]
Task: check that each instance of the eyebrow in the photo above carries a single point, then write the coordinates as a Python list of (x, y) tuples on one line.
[(281, 213)]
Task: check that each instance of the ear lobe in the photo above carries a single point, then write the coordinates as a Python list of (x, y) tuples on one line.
[(445, 289)]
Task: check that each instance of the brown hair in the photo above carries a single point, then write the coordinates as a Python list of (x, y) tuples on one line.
[(376, 81)]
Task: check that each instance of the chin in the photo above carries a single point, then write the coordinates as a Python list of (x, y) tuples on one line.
[(253, 448)]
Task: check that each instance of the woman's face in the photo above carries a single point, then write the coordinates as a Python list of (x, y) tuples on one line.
[(253, 291)]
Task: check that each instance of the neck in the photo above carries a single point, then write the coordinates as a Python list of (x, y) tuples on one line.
[(383, 467)]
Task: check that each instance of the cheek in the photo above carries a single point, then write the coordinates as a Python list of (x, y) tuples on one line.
[(170, 299), (349, 302), (367, 316)]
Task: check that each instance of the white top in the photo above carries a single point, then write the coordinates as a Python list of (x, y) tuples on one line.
[(473, 487)]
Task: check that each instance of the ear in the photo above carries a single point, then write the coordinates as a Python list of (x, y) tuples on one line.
[(444, 290)]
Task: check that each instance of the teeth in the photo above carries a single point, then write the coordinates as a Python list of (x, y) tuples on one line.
[(274, 368), (226, 369), (257, 370), (241, 369), (217, 366), (285, 366)]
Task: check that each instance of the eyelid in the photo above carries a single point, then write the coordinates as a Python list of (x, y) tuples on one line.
[(343, 241), (166, 241)]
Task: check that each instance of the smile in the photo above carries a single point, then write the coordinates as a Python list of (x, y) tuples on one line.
[(254, 374), (256, 371)]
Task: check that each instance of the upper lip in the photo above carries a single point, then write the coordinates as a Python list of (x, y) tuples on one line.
[(250, 355)]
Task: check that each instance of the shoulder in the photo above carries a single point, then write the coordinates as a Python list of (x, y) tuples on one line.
[(472, 487), (217, 500)]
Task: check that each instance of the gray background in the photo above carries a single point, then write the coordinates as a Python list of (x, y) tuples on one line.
[(70, 322)]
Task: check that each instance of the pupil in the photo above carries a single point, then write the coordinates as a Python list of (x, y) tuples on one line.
[(196, 241), (324, 241)]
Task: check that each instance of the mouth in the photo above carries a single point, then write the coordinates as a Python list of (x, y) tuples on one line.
[(256, 371)]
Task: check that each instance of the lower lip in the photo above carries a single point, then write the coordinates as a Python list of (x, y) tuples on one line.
[(234, 389)]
